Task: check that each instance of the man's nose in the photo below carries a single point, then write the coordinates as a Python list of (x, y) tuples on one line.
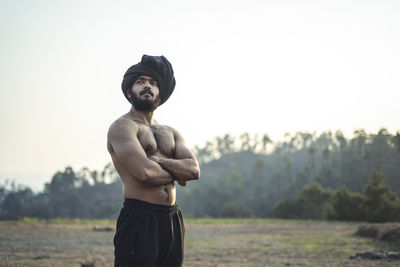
[(147, 84)]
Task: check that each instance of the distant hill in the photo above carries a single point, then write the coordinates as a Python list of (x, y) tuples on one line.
[(242, 176), (247, 177)]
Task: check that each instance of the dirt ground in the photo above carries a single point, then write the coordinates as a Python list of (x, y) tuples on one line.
[(208, 243)]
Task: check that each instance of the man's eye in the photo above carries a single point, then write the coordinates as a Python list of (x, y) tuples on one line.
[(153, 83)]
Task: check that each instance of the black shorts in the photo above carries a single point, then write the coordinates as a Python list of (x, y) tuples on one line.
[(149, 235)]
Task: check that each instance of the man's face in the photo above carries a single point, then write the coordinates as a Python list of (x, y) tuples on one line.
[(145, 94)]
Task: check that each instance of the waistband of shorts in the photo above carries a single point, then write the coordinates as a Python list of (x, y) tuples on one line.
[(147, 206)]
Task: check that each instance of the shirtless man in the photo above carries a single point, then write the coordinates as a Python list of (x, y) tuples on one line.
[(149, 158)]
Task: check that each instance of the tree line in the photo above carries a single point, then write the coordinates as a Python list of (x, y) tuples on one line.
[(377, 204), (244, 176), (69, 194), (249, 175)]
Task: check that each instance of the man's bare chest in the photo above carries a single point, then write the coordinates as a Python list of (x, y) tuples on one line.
[(157, 139)]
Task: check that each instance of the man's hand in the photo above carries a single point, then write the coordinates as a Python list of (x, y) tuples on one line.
[(182, 183), (155, 158)]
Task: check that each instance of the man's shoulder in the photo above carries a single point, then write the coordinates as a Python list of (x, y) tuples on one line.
[(166, 127), (122, 124), (175, 132)]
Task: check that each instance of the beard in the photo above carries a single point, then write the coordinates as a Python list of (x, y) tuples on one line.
[(146, 104)]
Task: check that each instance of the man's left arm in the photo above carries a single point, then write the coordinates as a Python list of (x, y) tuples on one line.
[(184, 166)]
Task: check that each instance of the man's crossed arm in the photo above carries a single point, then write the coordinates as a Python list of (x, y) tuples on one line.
[(125, 146), (184, 166), (154, 171)]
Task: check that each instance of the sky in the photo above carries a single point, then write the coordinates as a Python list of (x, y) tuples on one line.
[(241, 66)]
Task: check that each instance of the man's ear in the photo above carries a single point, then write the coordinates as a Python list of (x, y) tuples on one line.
[(129, 92)]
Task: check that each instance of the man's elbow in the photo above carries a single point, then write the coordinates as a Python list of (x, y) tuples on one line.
[(196, 173)]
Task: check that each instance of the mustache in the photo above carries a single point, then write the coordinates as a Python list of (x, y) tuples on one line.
[(145, 91)]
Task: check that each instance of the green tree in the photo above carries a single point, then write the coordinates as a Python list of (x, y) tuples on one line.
[(17, 204), (64, 198), (396, 141), (378, 205), (257, 176), (345, 206), (245, 142), (308, 204), (265, 141), (381, 204), (62, 182), (235, 185), (225, 144)]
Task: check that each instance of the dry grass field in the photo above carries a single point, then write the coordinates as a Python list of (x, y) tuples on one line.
[(208, 243)]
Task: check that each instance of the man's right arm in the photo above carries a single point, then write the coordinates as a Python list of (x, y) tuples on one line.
[(126, 147)]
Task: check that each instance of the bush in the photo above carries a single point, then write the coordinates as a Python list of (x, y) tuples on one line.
[(308, 204), (346, 206), (381, 205), (287, 209), (378, 205), (236, 210)]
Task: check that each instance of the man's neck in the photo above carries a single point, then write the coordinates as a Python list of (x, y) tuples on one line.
[(145, 117)]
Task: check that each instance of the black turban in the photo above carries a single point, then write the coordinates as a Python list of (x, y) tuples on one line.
[(158, 68)]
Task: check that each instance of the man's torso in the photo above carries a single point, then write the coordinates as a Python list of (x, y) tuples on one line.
[(156, 140)]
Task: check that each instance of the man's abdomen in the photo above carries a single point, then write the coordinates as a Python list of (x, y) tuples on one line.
[(163, 195)]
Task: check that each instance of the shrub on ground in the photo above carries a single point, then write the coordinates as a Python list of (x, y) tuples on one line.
[(236, 210), (308, 204), (345, 205)]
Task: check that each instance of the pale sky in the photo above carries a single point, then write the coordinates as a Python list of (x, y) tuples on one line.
[(257, 66)]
